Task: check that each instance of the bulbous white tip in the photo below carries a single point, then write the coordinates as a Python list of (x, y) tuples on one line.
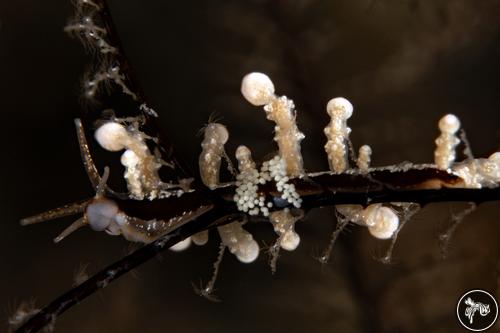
[(495, 157), (382, 221), (100, 213), (257, 88), (242, 152), (290, 241), (182, 245), (449, 124), (200, 238), (129, 158), (219, 130), (248, 252), (111, 136), (365, 150), (340, 107)]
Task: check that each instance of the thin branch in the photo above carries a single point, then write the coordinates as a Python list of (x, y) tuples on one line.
[(316, 190), (117, 269)]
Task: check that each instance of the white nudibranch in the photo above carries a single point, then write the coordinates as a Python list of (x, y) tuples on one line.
[(239, 241), (216, 135), (284, 226), (337, 133), (141, 167), (444, 155), (258, 89), (382, 222)]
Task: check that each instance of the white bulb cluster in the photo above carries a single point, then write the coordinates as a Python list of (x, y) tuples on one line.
[(141, 167), (445, 155), (284, 226), (382, 221), (258, 89), (247, 181), (239, 242), (337, 133), (276, 168), (479, 172)]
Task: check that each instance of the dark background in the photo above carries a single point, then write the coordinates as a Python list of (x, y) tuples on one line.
[(402, 63)]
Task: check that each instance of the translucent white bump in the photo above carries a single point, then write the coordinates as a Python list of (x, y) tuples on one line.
[(112, 136), (218, 130), (449, 124), (290, 241), (382, 221), (100, 213), (182, 245), (495, 157), (200, 238), (129, 158), (248, 252), (257, 88), (340, 106)]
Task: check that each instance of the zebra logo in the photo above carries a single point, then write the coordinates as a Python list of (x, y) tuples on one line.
[(477, 310)]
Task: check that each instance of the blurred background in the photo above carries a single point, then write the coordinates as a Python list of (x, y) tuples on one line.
[(402, 63)]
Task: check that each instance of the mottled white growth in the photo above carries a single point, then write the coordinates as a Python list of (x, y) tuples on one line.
[(284, 226), (479, 172), (337, 133), (112, 136), (141, 167), (364, 158), (258, 89), (182, 245), (382, 222), (216, 135), (239, 242), (200, 238), (245, 161), (446, 143)]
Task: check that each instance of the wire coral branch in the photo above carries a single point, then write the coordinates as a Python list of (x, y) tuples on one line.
[(115, 270), (316, 190)]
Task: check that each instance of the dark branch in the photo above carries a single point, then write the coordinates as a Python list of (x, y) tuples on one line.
[(117, 269), (317, 190)]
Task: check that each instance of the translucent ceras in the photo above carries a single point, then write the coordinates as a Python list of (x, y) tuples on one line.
[(284, 226), (216, 136), (337, 133), (258, 89), (445, 155), (141, 167)]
